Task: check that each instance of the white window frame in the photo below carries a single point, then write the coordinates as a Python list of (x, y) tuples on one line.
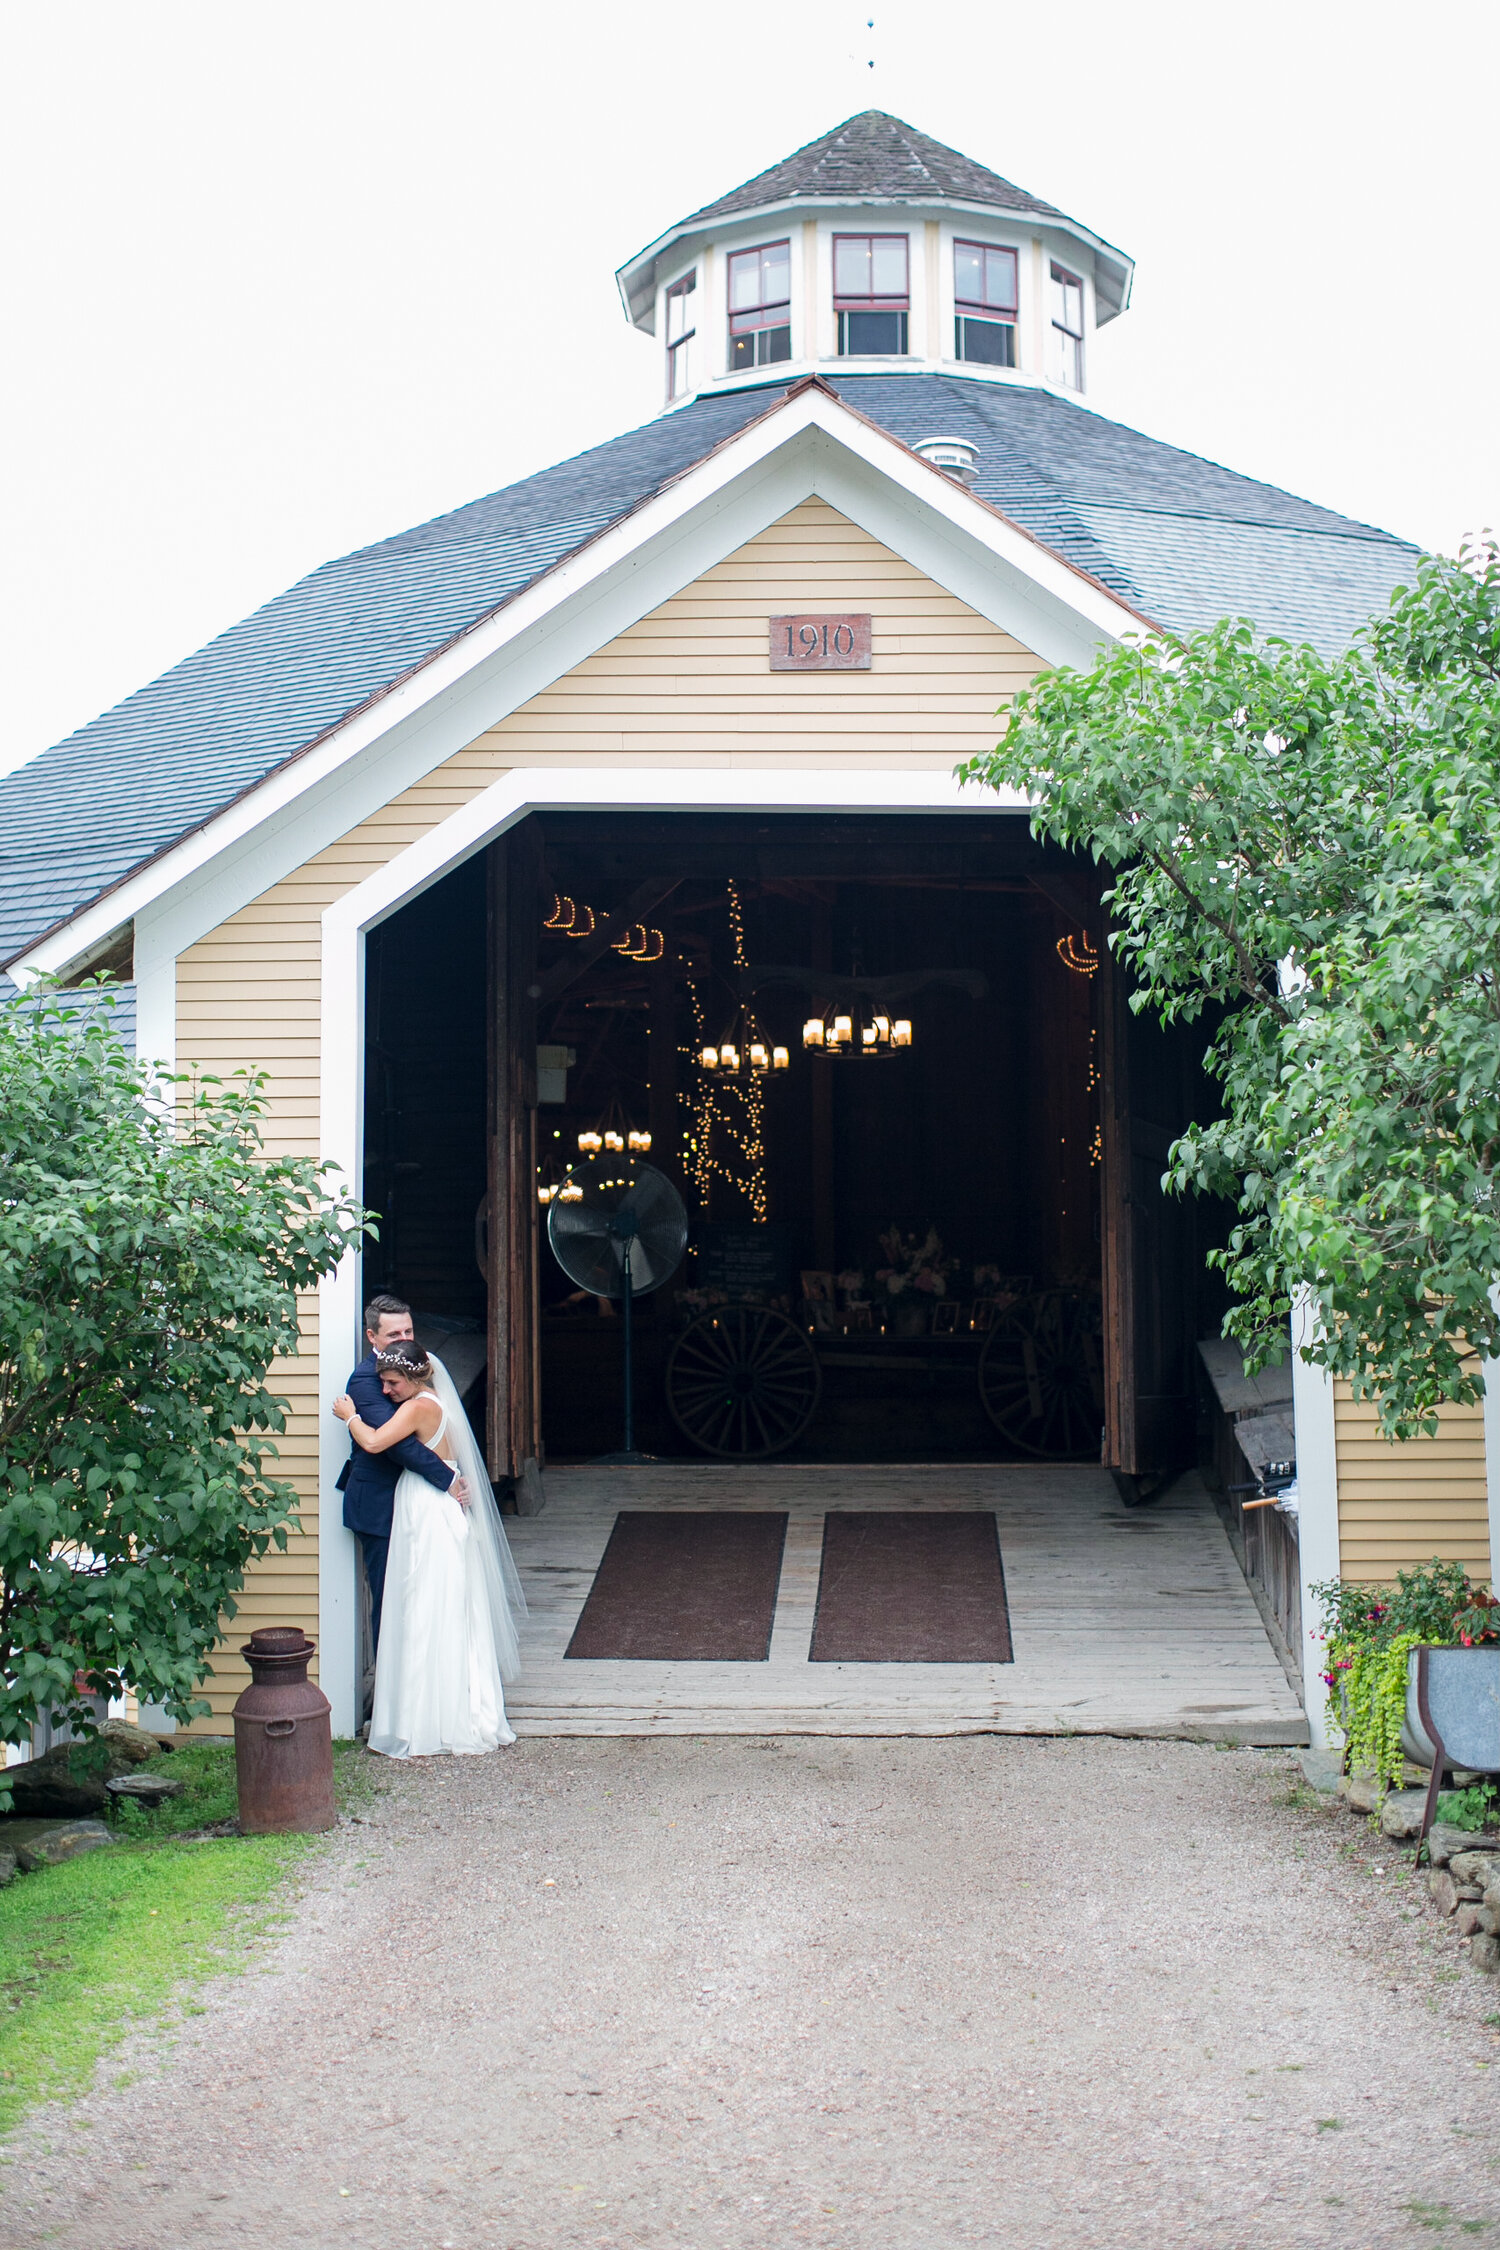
[(680, 348), (1064, 344)]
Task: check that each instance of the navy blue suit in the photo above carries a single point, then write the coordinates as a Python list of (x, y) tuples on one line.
[(368, 1481)]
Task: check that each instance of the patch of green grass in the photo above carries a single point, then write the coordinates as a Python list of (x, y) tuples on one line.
[(115, 1939), (1438, 2217), (1329, 2124), (208, 1770)]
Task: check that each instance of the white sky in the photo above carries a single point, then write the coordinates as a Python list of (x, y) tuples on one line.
[(282, 280)]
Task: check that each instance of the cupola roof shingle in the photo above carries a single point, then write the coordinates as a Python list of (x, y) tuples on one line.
[(872, 154)]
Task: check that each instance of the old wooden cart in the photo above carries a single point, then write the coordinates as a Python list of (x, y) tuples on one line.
[(744, 1380)]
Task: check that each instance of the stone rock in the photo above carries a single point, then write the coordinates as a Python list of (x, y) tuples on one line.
[(1492, 1890), (1443, 1842), (1485, 1954), (7, 1868), (45, 1843), (145, 1788), (1487, 1920), (48, 1786), (1469, 1894), (1321, 1769), (1401, 1814), (133, 1742), (1475, 1866), (1361, 1792), (1467, 1920), (1442, 1889)]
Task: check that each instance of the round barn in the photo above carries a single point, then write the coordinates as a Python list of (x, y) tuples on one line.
[(611, 821)]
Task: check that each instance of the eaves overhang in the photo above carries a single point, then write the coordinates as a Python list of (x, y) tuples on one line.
[(809, 414)]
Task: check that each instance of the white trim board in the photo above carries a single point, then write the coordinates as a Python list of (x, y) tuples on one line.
[(808, 446), (1492, 1461), (1317, 1511), (403, 878)]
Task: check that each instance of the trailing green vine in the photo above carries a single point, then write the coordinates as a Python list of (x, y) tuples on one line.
[(1368, 1702)]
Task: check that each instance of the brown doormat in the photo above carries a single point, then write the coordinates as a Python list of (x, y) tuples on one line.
[(683, 1586), (901, 1588)]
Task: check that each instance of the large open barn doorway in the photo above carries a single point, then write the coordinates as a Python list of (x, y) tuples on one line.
[(1003, 1168)]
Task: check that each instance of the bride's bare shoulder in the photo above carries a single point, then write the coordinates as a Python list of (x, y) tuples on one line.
[(427, 1412)]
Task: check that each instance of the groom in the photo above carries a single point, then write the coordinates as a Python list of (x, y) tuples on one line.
[(369, 1480)]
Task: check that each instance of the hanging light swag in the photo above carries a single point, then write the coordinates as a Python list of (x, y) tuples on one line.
[(859, 1030), (1078, 954)]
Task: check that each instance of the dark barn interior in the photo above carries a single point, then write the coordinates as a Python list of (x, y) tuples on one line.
[(587, 960)]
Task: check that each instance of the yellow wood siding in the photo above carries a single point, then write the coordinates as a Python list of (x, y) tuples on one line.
[(691, 684), (1403, 1504)]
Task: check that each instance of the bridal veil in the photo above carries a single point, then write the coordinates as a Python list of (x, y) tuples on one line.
[(502, 1581)]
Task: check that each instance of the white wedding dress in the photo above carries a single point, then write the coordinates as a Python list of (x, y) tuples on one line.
[(452, 1603)]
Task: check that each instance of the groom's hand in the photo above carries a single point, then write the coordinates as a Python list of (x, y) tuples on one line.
[(461, 1493)]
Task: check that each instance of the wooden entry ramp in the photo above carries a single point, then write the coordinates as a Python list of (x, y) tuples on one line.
[(1130, 1621)]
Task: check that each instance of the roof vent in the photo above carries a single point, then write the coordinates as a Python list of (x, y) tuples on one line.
[(955, 456)]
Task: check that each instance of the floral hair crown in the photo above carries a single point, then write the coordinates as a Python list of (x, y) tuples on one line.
[(403, 1359)]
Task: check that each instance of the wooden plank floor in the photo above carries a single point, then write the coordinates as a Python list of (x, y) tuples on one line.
[(1131, 1621)]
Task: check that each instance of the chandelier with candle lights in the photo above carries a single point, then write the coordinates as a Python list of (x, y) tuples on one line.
[(613, 1135), (743, 1053), (555, 1182), (860, 1029)]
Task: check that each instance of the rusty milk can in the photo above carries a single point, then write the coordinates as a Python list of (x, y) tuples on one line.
[(283, 1737)]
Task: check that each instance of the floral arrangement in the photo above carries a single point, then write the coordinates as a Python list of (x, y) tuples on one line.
[(986, 1279), (914, 1262), (1371, 1632), (851, 1282)]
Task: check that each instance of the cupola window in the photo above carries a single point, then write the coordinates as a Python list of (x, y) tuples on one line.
[(760, 306), (985, 301), (870, 293), (1067, 329), (682, 329)]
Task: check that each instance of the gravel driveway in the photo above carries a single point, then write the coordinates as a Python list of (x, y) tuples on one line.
[(864, 1995)]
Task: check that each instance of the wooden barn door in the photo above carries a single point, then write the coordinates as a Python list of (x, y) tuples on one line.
[(1152, 1253), (515, 1417)]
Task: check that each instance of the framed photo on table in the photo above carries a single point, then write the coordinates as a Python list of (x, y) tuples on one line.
[(818, 1289), (947, 1317)]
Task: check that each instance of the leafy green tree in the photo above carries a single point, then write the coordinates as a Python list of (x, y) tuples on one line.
[(1313, 847), (151, 1253)]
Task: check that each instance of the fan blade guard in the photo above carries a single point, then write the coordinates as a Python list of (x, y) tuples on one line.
[(589, 1238)]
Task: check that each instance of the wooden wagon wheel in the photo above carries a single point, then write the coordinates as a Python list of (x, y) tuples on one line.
[(743, 1382), (1041, 1375)]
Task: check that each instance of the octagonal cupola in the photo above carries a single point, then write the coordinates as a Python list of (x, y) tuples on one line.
[(874, 250)]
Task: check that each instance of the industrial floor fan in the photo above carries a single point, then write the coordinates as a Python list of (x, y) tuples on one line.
[(624, 1237)]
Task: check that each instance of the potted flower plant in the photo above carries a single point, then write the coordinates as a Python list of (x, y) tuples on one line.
[(1373, 1634)]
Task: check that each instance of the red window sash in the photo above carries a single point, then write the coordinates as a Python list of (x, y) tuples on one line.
[(763, 316)]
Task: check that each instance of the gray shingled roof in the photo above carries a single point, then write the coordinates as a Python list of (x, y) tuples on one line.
[(1177, 537), (872, 155), (122, 1017)]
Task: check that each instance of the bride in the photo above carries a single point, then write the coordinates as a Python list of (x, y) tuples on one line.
[(452, 1593)]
